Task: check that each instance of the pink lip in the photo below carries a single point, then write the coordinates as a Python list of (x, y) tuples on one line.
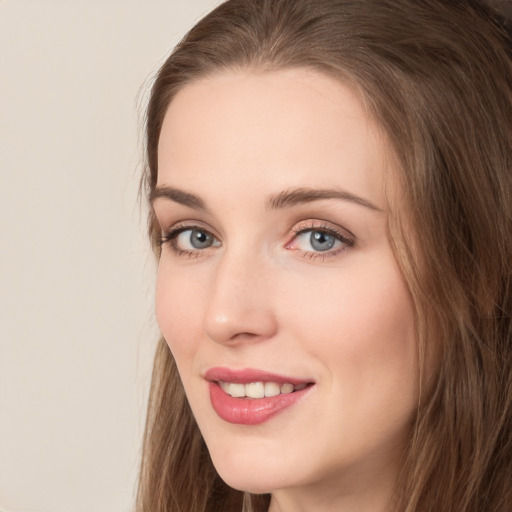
[(247, 375), (250, 411)]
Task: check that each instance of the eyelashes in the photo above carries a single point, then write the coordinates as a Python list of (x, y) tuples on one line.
[(189, 240), (319, 241), (310, 239)]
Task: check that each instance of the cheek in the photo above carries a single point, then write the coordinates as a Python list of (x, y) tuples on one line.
[(358, 323), (177, 306)]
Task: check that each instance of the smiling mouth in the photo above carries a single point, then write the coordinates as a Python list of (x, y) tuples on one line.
[(260, 389), (251, 396)]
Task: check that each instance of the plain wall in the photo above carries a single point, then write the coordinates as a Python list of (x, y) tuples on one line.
[(77, 330)]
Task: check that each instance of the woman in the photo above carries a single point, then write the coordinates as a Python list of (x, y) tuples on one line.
[(330, 193)]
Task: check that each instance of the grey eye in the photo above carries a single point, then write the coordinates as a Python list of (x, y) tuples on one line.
[(316, 240), (321, 241), (195, 240), (200, 239)]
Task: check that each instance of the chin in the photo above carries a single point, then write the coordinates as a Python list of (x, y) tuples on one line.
[(253, 483), (253, 474)]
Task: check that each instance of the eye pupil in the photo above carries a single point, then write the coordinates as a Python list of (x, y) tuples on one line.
[(321, 241), (200, 239)]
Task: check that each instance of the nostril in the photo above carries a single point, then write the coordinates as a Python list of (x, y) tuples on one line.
[(242, 337)]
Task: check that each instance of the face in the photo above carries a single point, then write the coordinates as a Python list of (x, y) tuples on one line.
[(278, 292)]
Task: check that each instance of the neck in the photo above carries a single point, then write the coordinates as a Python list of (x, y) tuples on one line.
[(356, 493), (297, 502)]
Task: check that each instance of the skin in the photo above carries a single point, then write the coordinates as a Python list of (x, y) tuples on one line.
[(261, 296)]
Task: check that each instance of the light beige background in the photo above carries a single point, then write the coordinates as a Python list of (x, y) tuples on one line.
[(77, 330)]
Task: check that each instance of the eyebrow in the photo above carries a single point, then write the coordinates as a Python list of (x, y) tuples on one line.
[(285, 199), (296, 196), (178, 196)]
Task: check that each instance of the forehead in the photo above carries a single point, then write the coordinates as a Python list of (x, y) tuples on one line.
[(271, 130)]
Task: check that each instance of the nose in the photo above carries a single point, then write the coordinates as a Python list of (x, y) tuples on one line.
[(239, 307)]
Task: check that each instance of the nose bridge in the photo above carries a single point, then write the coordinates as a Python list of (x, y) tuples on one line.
[(239, 302)]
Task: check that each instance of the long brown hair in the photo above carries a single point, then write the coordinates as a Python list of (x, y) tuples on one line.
[(437, 77)]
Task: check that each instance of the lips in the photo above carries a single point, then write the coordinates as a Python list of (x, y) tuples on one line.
[(251, 397)]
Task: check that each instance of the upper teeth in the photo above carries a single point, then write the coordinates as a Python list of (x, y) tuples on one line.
[(259, 389)]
